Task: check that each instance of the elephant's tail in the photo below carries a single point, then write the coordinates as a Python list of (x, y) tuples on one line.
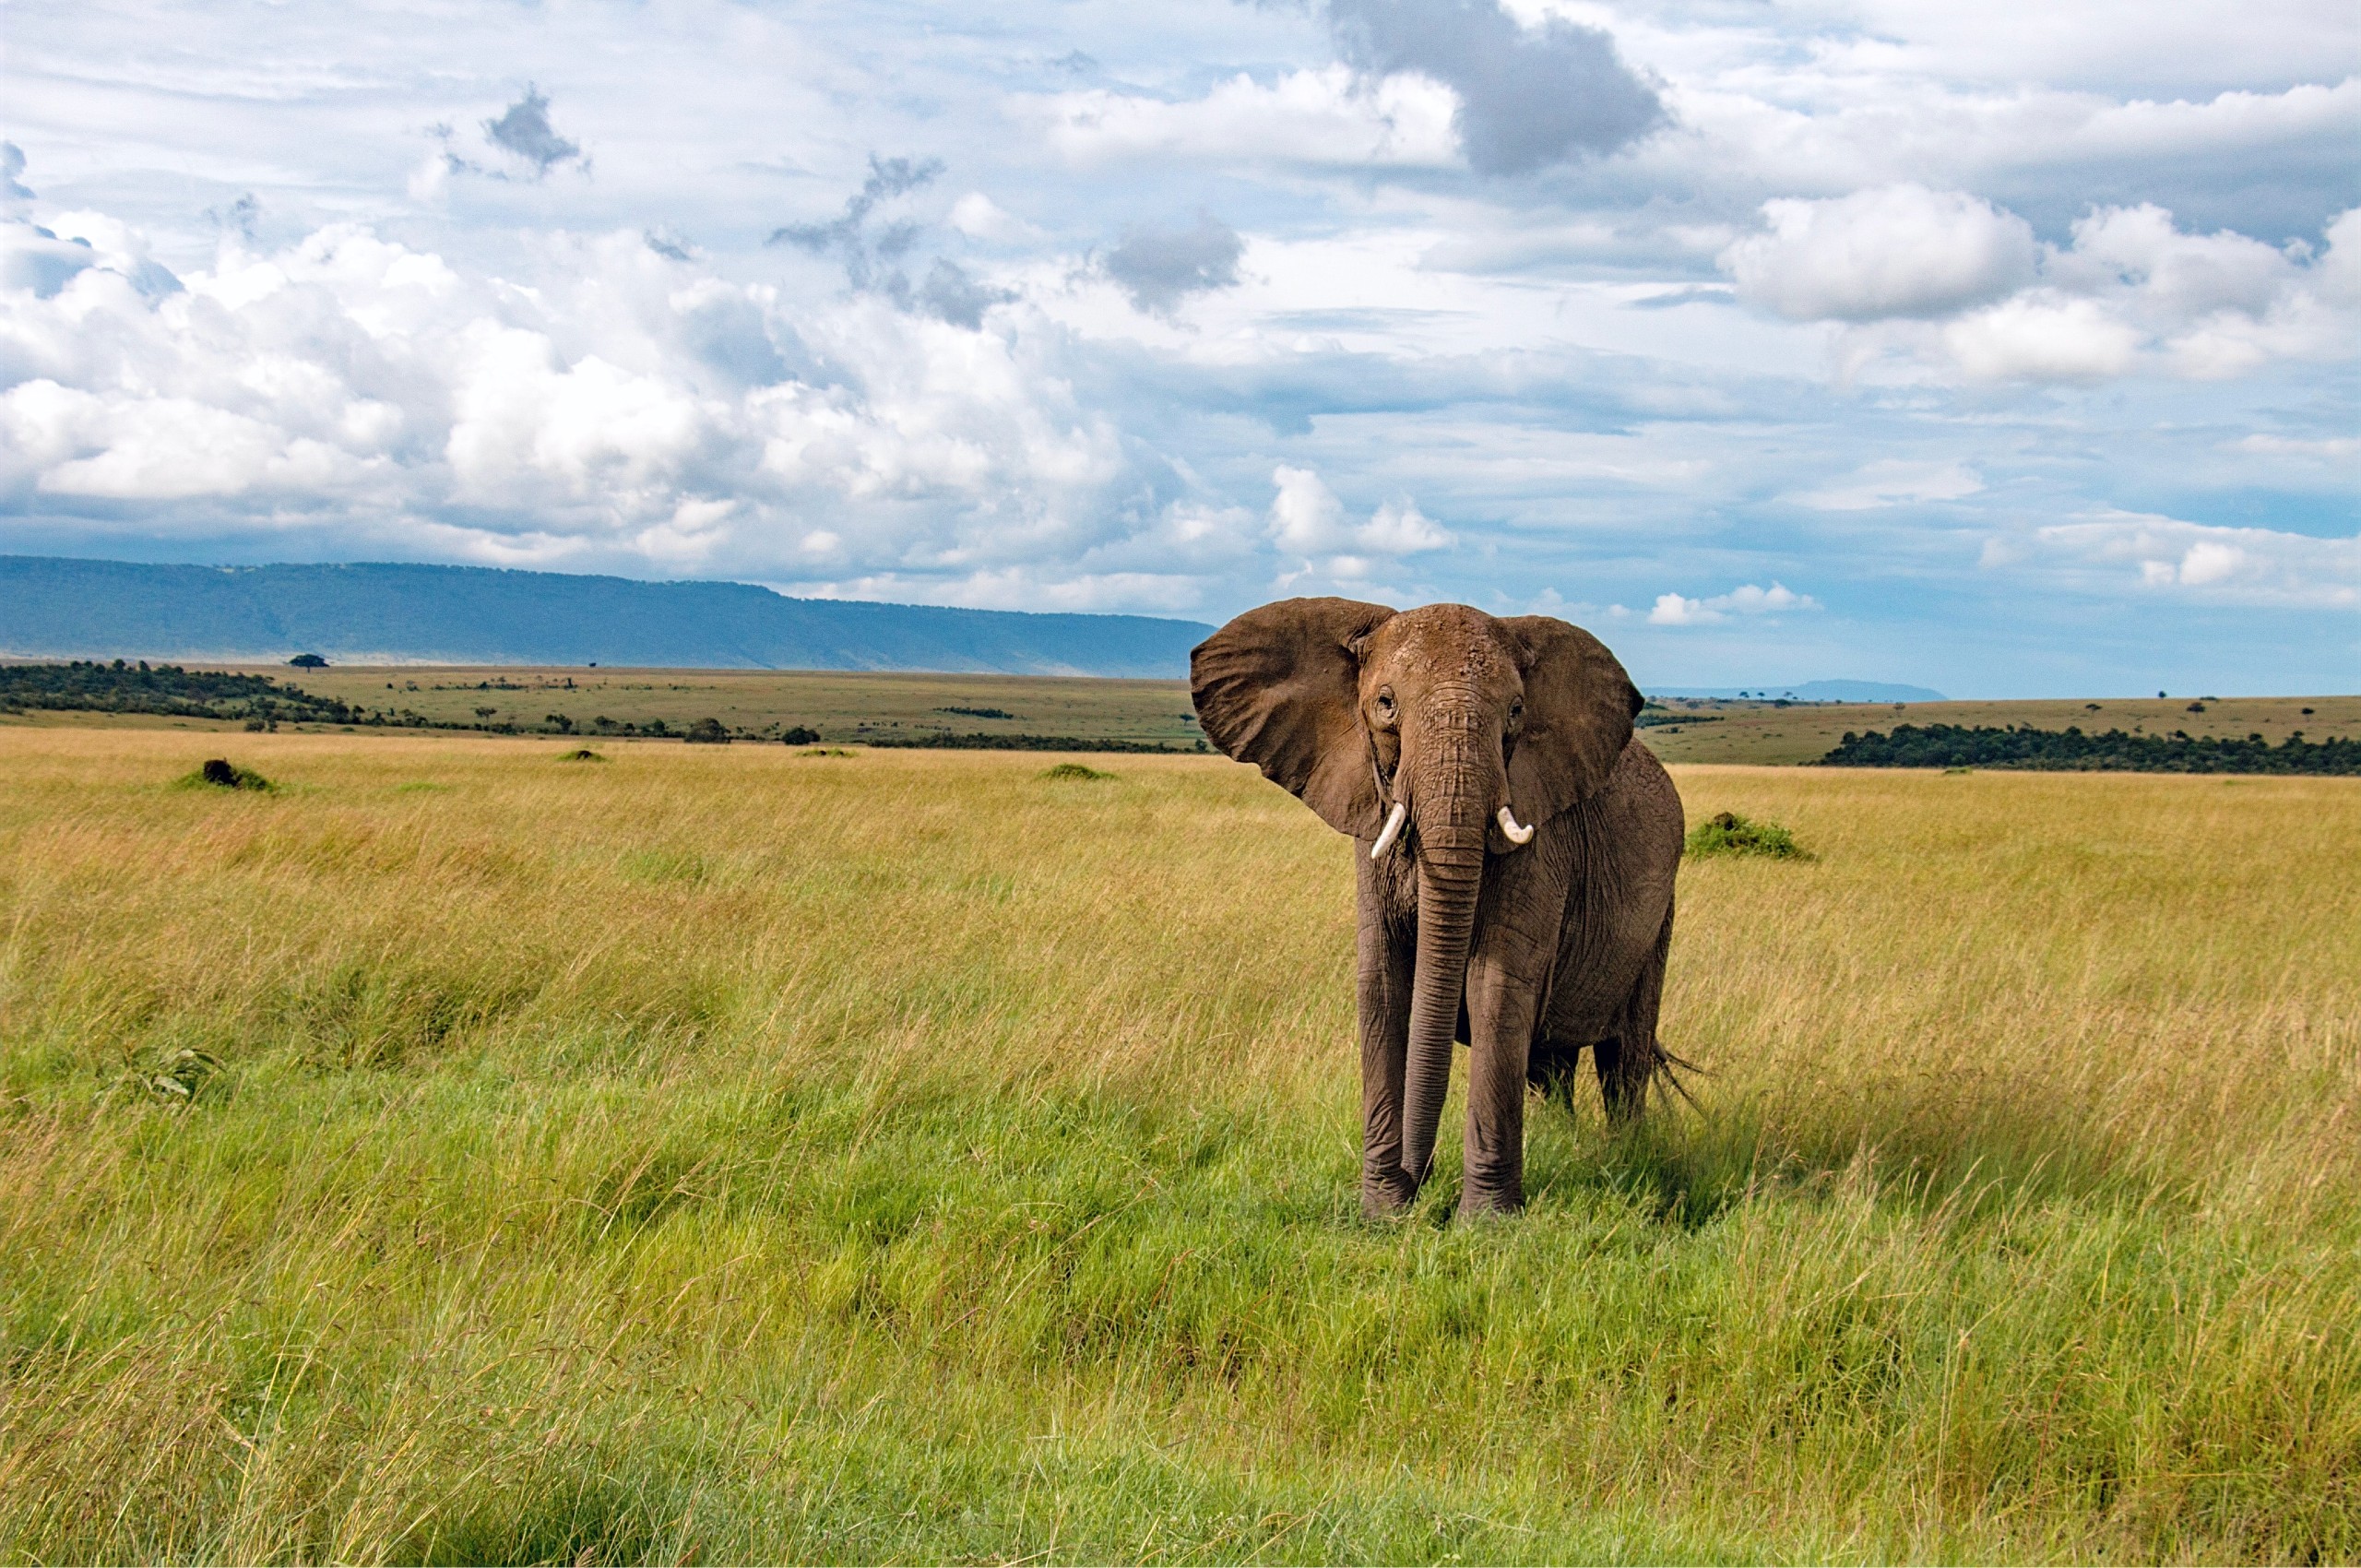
[(1670, 1068)]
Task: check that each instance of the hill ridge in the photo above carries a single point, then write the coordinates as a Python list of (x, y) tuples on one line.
[(63, 607)]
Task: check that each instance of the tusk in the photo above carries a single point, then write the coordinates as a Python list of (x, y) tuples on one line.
[(1507, 819), (1392, 830)]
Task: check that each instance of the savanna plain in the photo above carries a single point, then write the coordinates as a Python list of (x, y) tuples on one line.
[(460, 1152)]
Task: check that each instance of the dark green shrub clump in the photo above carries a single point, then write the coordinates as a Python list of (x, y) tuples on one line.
[(1952, 746), (581, 754), (1727, 833), (801, 735), (221, 773), (1074, 770), (706, 732)]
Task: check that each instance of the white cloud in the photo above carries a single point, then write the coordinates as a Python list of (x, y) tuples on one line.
[(2119, 552), (1308, 116), (1308, 520), (1893, 482), (2043, 337), (584, 410), (2133, 293), (2333, 446), (978, 217), (1899, 250), (1674, 609)]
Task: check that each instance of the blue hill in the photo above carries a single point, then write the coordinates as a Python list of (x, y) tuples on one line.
[(1812, 691), (57, 608)]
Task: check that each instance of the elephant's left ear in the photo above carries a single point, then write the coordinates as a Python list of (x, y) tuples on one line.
[(1579, 705)]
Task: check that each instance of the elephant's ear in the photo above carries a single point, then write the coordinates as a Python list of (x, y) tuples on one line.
[(1578, 710), (1280, 687)]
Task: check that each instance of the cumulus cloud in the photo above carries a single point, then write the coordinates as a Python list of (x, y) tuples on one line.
[(1674, 609), (1948, 281), (12, 169), (1899, 250), (1308, 521), (598, 409), (2115, 551), (1527, 97), (1159, 267), (2132, 290)]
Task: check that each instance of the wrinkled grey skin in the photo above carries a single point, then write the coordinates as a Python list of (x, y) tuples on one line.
[(1528, 954)]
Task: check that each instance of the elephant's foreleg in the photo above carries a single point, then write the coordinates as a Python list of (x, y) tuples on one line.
[(1507, 983), (1501, 1009)]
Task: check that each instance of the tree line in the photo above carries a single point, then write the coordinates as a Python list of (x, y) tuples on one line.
[(1955, 745)]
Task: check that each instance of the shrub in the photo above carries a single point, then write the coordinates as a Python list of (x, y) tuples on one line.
[(706, 732), (826, 751), (581, 754), (1074, 770), (1727, 833), (221, 773), (801, 735)]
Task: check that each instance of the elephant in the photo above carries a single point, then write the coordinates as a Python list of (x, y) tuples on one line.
[(1518, 847)]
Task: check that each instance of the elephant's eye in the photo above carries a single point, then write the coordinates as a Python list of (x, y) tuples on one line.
[(1516, 714), (1385, 705)]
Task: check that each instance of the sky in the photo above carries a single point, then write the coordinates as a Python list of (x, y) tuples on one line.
[(2008, 350)]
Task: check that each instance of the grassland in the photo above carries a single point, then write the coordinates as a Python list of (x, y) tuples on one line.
[(1764, 732), (463, 1154), (843, 704), (861, 706)]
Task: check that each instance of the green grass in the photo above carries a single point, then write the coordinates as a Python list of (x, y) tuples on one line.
[(715, 1154)]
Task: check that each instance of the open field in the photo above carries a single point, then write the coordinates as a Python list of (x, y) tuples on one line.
[(729, 1154), (858, 705), (1762, 732), (843, 704)]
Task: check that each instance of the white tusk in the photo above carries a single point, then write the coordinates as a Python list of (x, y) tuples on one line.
[(1392, 830), (1517, 835)]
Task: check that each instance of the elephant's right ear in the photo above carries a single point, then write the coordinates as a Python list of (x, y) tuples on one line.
[(1280, 687)]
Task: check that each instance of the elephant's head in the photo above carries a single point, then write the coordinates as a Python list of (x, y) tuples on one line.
[(1439, 733)]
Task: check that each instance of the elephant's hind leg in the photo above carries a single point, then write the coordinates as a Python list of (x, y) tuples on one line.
[(1629, 1060)]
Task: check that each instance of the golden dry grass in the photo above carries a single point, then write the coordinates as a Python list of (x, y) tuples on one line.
[(733, 1154)]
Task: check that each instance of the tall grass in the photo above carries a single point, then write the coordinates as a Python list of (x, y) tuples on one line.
[(738, 1155)]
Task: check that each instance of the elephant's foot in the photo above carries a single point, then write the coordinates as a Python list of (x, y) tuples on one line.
[(1481, 1199), (1385, 1194)]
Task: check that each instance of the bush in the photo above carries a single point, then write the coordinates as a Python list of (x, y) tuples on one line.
[(826, 751), (581, 754), (1727, 833), (801, 735), (1074, 770), (221, 773), (706, 732)]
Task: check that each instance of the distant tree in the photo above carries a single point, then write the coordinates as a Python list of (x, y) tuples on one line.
[(801, 736), (486, 713), (300, 661), (708, 733), (559, 723)]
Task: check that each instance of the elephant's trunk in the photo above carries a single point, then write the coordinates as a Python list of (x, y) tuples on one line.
[(1451, 815)]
